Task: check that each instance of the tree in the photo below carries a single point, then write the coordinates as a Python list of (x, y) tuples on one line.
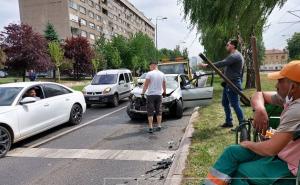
[(122, 45), (99, 50), (50, 33), (79, 51), (218, 21), (294, 46), (112, 56), (24, 49), (57, 55)]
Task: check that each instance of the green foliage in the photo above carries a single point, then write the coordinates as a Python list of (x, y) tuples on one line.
[(50, 33), (218, 21), (169, 54), (57, 55), (294, 46), (112, 56), (134, 53)]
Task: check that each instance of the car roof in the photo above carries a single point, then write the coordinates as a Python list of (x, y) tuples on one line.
[(114, 71), (25, 84)]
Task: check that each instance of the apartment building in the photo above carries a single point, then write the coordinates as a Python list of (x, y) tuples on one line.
[(274, 59), (88, 18)]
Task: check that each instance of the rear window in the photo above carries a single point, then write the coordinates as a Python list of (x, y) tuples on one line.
[(105, 79)]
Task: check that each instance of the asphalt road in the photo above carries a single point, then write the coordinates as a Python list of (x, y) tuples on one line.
[(109, 149)]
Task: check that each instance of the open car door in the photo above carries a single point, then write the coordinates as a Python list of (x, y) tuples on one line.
[(194, 96), (199, 96)]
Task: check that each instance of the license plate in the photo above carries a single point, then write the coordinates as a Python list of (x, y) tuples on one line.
[(94, 98)]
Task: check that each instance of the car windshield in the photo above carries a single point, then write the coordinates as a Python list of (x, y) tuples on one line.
[(8, 95), (105, 79), (173, 68), (171, 82)]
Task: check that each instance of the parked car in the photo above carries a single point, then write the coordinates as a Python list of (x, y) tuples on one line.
[(181, 93), (109, 87), (3, 74), (23, 115), (141, 79)]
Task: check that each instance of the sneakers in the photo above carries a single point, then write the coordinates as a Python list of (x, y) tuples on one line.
[(227, 125), (150, 130), (158, 129)]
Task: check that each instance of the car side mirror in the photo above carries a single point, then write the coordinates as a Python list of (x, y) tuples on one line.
[(27, 100), (122, 82)]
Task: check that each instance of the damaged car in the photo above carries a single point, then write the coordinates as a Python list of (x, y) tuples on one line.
[(181, 93)]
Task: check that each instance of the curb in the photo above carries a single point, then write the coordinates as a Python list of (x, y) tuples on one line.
[(175, 175)]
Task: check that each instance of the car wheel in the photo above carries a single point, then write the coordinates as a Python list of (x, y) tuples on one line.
[(132, 115), (178, 109), (115, 101), (75, 115), (5, 141)]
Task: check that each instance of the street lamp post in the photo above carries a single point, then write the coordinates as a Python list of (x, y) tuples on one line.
[(158, 18)]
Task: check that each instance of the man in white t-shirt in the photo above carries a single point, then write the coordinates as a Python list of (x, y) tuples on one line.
[(156, 85)]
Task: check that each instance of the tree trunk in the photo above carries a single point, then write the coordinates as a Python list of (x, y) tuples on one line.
[(24, 75), (54, 74), (250, 79), (58, 74)]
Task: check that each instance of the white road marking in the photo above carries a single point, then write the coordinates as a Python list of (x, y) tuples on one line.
[(73, 129), (127, 155)]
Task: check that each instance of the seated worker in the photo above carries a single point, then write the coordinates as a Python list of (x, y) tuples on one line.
[(268, 161), (32, 93)]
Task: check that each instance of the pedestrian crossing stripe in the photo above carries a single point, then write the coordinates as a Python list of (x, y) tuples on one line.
[(126, 155)]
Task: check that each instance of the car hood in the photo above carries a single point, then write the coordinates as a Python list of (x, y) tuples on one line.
[(137, 91), (5, 109), (96, 88)]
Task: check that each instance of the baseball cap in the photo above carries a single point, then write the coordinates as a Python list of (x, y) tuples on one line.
[(290, 71)]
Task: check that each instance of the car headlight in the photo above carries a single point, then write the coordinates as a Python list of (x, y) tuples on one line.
[(168, 99), (106, 90)]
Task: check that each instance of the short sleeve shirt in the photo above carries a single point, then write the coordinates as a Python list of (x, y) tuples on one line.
[(156, 78), (290, 122)]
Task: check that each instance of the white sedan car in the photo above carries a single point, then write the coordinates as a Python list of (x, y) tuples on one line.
[(29, 108)]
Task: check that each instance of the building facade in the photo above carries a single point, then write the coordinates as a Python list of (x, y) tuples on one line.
[(87, 18), (274, 60)]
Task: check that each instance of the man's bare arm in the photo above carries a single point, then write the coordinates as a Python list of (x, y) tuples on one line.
[(258, 101), (146, 84), (164, 87), (270, 147)]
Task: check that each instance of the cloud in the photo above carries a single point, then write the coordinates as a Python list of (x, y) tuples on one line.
[(9, 12)]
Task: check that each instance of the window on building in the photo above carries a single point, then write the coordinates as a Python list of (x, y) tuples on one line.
[(283, 57), (73, 17), (82, 10), (104, 11), (83, 33), (92, 36), (98, 18), (75, 31), (73, 5), (91, 14), (99, 28), (98, 7), (91, 3), (92, 25), (82, 22)]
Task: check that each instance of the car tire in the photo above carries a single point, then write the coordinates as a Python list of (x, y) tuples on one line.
[(115, 101), (5, 141), (75, 115), (178, 109), (132, 115)]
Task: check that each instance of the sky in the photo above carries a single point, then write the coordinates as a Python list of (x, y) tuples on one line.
[(176, 31)]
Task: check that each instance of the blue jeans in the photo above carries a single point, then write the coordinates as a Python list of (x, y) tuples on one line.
[(231, 98)]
